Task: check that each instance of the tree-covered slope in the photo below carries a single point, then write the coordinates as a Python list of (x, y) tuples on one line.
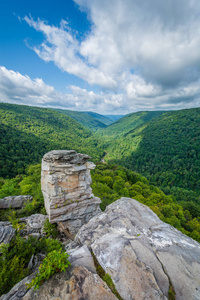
[(166, 150), (114, 118), (110, 182), (88, 119), (28, 132), (127, 123), (103, 119)]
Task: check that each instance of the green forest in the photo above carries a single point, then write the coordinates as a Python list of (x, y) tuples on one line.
[(110, 182), (27, 133), (152, 157), (164, 149), (87, 120)]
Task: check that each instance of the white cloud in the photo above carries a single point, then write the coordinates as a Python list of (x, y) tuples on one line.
[(21, 89), (62, 48), (135, 95), (142, 53)]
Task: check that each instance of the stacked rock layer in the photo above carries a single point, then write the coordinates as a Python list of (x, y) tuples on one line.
[(65, 183)]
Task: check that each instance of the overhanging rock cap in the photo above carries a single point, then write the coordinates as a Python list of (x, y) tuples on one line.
[(67, 156)]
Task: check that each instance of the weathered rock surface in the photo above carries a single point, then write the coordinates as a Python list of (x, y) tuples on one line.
[(19, 290), (141, 253), (14, 201), (34, 225), (65, 183), (6, 232), (81, 256), (76, 283)]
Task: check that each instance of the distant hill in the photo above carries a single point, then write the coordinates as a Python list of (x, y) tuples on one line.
[(164, 148), (101, 118), (27, 133), (129, 122), (89, 120), (114, 117)]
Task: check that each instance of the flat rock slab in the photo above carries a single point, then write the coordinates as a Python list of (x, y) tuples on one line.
[(143, 254), (76, 283), (82, 257), (14, 201)]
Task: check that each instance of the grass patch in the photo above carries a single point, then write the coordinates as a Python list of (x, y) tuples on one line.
[(105, 277)]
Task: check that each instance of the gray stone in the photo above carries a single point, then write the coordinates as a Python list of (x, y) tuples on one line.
[(141, 253), (65, 183), (76, 283), (19, 290), (6, 232), (35, 221), (82, 257), (14, 201)]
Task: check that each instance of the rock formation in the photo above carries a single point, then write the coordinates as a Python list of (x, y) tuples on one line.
[(145, 257), (33, 226), (65, 183), (78, 283), (6, 232), (14, 201)]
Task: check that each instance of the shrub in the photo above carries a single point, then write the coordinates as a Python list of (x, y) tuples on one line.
[(50, 229), (56, 261)]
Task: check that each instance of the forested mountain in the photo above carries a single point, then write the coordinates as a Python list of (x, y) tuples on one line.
[(114, 118), (162, 146), (89, 120), (164, 149), (129, 122), (27, 133), (101, 118)]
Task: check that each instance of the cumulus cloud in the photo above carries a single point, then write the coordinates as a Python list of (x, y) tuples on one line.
[(21, 89), (62, 48), (143, 54), (136, 95)]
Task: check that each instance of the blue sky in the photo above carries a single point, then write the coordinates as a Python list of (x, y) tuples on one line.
[(110, 57)]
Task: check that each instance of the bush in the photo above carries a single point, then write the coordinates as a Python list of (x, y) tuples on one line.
[(50, 229), (56, 261)]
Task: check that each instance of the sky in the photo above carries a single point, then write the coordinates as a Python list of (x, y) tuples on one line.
[(110, 57)]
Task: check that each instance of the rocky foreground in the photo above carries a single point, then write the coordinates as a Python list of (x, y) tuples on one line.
[(146, 259)]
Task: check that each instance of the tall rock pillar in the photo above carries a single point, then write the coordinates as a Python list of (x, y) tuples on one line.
[(65, 183)]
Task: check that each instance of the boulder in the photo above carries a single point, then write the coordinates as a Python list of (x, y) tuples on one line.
[(65, 183), (6, 232), (144, 256), (76, 283), (33, 225), (14, 201)]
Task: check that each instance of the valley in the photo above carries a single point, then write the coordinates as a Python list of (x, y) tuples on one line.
[(152, 157)]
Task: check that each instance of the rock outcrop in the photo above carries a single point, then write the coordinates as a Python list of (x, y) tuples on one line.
[(33, 225), (80, 281), (65, 183), (145, 257), (14, 201), (77, 283), (6, 232)]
